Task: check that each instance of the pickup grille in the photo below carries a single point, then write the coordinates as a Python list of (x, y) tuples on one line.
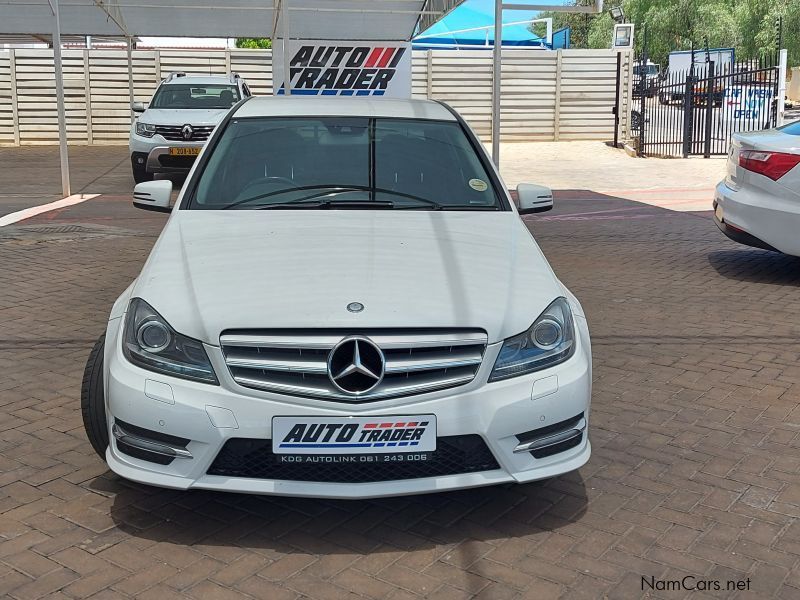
[(173, 133), (296, 362)]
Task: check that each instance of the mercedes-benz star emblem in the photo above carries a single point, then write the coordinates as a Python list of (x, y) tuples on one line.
[(356, 365), (355, 307), (187, 132)]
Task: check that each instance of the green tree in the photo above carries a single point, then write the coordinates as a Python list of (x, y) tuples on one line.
[(253, 43), (746, 25), (580, 24)]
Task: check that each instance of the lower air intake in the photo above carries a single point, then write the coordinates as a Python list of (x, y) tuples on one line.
[(454, 455)]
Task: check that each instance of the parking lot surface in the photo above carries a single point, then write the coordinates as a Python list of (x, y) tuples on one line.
[(695, 427)]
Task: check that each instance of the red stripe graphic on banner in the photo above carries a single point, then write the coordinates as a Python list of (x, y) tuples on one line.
[(373, 57), (387, 56)]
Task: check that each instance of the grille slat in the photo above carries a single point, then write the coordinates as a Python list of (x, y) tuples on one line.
[(440, 361), (271, 364), (296, 362), (173, 133)]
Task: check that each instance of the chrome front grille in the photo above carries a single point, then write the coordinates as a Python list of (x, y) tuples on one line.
[(295, 362), (173, 133)]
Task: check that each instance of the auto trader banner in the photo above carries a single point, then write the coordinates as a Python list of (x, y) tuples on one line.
[(335, 68)]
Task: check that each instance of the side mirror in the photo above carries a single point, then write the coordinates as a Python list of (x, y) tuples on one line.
[(534, 198), (153, 195), (138, 107)]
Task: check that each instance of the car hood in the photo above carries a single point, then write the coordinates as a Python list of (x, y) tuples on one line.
[(213, 270), (171, 116)]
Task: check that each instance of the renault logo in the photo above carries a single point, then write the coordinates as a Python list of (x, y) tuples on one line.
[(356, 365), (187, 132)]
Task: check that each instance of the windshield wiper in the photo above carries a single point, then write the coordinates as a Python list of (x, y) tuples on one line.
[(330, 190), (327, 204)]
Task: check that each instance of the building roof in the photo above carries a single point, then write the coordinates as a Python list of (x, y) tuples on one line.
[(300, 106), (384, 20)]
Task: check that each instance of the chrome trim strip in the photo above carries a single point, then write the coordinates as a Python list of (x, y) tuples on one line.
[(319, 367), (326, 342), (411, 365), (386, 391), (552, 439), (148, 445)]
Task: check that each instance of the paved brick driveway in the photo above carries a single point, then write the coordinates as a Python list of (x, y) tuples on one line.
[(695, 426)]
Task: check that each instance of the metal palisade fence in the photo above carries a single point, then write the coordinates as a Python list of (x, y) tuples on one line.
[(695, 112), (561, 95)]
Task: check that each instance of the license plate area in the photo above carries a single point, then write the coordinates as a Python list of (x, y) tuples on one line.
[(352, 459), (354, 436), (181, 151)]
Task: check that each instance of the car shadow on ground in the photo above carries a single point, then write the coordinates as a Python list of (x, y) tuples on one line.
[(756, 266), (287, 525)]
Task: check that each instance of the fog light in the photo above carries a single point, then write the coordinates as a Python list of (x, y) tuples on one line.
[(140, 160)]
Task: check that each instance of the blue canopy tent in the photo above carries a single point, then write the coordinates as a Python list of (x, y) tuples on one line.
[(454, 41), (471, 26)]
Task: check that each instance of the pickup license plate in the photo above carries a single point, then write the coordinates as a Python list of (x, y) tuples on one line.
[(387, 435), (180, 151)]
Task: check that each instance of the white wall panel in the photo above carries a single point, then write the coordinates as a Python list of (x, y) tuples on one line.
[(543, 96)]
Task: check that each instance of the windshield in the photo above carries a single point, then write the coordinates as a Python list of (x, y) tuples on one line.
[(648, 70), (344, 162), (186, 95)]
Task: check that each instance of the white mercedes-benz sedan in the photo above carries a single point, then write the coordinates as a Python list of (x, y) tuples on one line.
[(758, 202), (344, 303)]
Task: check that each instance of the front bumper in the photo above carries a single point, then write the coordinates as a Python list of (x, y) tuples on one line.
[(754, 218), (199, 419), (155, 154)]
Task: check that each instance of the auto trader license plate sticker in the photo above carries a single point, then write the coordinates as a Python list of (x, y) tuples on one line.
[(353, 435)]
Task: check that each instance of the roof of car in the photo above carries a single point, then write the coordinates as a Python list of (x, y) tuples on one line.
[(305, 106), (201, 80)]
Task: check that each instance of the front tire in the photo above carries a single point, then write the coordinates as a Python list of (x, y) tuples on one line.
[(140, 174), (93, 406)]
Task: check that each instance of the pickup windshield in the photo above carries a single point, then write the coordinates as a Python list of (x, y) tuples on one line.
[(187, 96), (344, 162)]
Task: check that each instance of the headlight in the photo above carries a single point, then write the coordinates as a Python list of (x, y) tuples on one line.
[(549, 341), (149, 342), (145, 129)]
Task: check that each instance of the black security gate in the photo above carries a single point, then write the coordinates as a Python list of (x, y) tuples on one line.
[(696, 111)]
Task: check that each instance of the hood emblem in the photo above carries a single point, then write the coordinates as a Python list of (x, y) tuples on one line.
[(356, 365), (187, 132), (355, 307)]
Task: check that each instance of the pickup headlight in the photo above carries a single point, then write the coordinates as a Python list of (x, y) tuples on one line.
[(548, 342), (149, 342), (145, 129)]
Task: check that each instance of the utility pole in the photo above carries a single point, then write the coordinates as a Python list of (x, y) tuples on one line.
[(62, 113), (497, 57)]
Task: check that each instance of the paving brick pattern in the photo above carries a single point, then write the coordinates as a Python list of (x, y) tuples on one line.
[(695, 426)]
